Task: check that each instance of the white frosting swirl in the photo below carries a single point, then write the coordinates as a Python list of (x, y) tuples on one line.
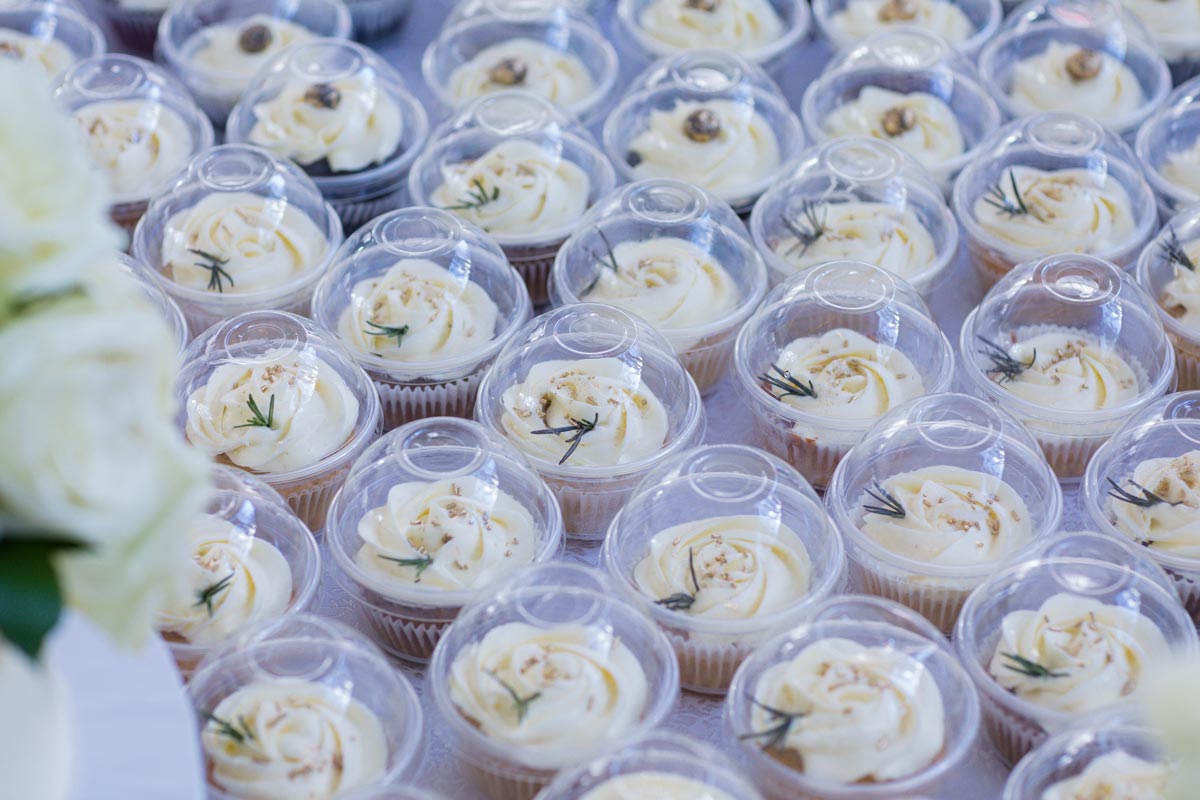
[(1069, 210), (744, 566), (517, 187), (1173, 525), (1182, 167), (869, 713), (139, 144), (1181, 295), (1068, 369), (523, 63), (1044, 83), (1173, 24), (877, 233), (218, 50), (443, 315), (657, 785), (236, 579), (258, 242), (1096, 653), (627, 422), (449, 534), (861, 18), (295, 739), (736, 25), (1114, 776), (357, 126), (47, 53), (552, 692), (314, 411), (743, 154), (933, 138)]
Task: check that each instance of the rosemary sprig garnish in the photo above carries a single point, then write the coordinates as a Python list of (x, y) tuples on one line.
[(476, 198), (1003, 364), (888, 506), (206, 596), (682, 601), (419, 564), (787, 384), (1173, 251), (1147, 499), (215, 266), (578, 428), (238, 734), (257, 420), (775, 736), (1029, 668), (809, 228), (522, 703), (610, 263), (396, 332), (997, 197)]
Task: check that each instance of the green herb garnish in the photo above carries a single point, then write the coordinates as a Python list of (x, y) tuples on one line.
[(257, 420), (419, 564), (522, 703), (682, 601), (206, 596), (1029, 668), (578, 428), (475, 198), (775, 736), (215, 266)]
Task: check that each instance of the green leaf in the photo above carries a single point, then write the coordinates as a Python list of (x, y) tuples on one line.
[(30, 597)]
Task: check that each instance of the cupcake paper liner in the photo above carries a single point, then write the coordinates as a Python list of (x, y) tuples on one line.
[(356, 213), (1011, 734), (503, 780), (1187, 363), (1069, 455), (706, 662), (588, 507), (708, 361), (136, 29), (406, 402), (409, 638), (940, 605), (533, 264), (374, 18), (310, 500)]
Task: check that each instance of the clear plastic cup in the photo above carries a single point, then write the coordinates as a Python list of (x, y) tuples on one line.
[(714, 91), (1072, 295), (728, 35), (962, 450), (471, 57), (1096, 27), (493, 133), (139, 123), (1168, 146), (316, 657), (373, 18), (135, 22), (618, 653), (232, 362), (725, 503), (434, 460), (1165, 263), (661, 759), (257, 514), (871, 623), (690, 268), (237, 211), (869, 88), (610, 356), (461, 279), (286, 108), (863, 301), (48, 34), (861, 199), (1090, 175), (845, 23), (168, 308), (193, 26)]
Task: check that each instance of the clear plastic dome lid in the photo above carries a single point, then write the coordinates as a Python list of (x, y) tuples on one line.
[(161, 301), (140, 124), (966, 24), (515, 165), (861, 199), (1040, 182), (588, 390), (1168, 145), (713, 70), (664, 219), (462, 9), (50, 35), (724, 537), (1096, 547), (439, 509), (421, 294), (1165, 267), (601, 644), (723, 130), (907, 48), (1072, 307)]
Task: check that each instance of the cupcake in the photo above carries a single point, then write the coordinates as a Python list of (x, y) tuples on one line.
[(1049, 640), (423, 301), (170, 310), (854, 703), (251, 560), (1166, 270), (965, 24), (216, 48), (830, 351), (674, 255), (48, 35), (271, 393), (1083, 58), (910, 88), (1168, 145), (1052, 183), (539, 48), (594, 398), (345, 116), (303, 707), (1070, 346), (374, 18), (135, 22), (859, 199), (520, 169), (713, 122), (139, 125), (238, 230), (549, 671), (432, 514), (1174, 30), (722, 544)]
